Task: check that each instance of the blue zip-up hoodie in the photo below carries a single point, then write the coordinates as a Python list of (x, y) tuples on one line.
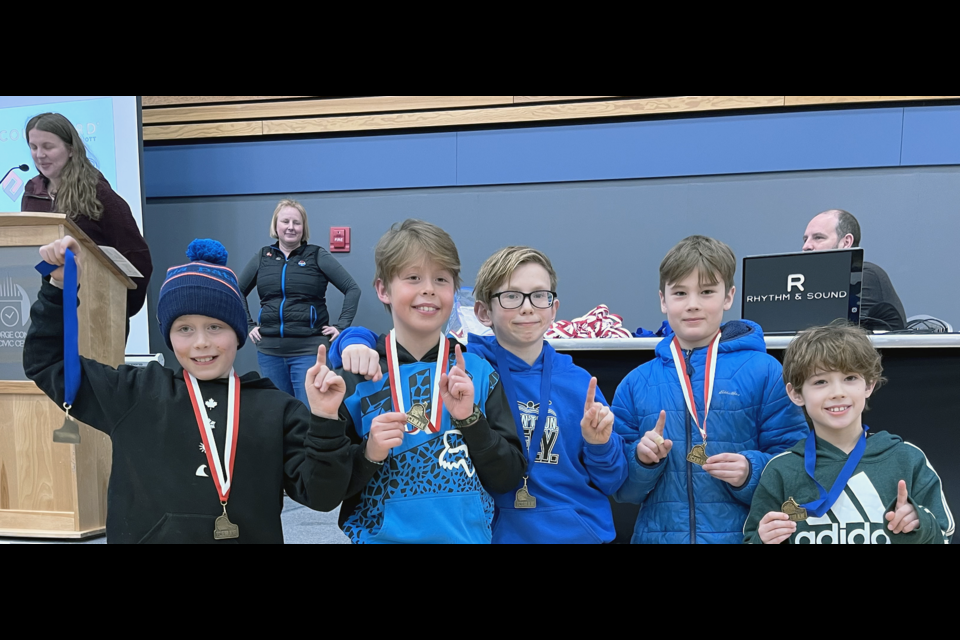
[(570, 478), (750, 414)]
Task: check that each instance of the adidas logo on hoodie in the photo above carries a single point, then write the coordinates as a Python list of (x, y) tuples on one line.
[(856, 518)]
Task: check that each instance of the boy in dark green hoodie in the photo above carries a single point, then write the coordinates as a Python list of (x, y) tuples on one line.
[(862, 490)]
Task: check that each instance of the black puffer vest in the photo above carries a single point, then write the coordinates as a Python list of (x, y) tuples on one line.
[(292, 293)]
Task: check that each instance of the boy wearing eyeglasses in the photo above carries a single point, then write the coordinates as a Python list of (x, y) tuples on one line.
[(563, 495)]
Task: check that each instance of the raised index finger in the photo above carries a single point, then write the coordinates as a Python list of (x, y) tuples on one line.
[(322, 356), (460, 361), (591, 392), (901, 494), (661, 421)]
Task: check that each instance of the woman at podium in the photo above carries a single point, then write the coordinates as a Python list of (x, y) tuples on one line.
[(69, 183)]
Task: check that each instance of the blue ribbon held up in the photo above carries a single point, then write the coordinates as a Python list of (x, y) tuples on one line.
[(71, 326)]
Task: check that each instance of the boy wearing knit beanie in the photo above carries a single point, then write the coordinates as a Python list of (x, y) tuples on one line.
[(200, 455)]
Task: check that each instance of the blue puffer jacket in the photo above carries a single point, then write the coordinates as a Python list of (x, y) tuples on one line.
[(750, 414)]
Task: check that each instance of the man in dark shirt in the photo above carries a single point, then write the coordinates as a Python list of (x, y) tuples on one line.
[(880, 306)]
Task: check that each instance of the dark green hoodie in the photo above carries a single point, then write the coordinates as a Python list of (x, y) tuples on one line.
[(858, 515)]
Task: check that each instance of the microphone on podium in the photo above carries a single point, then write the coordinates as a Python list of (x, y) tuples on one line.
[(22, 167)]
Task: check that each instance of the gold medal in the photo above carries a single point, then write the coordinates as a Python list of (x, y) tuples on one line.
[(223, 529), (794, 510), (524, 500), (417, 417), (698, 455)]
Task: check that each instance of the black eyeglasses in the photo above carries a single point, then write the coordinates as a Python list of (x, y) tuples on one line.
[(514, 299)]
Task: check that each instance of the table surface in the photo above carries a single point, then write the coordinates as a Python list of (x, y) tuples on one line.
[(881, 341)]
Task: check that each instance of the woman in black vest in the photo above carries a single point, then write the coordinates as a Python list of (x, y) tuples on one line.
[(291, 278)]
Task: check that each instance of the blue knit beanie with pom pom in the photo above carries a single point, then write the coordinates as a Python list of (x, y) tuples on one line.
[(203, 287)]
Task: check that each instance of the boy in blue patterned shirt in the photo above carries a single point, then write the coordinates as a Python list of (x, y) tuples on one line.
[(436, 431)]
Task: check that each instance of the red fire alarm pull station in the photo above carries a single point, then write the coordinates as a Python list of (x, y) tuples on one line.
[(339, 239)]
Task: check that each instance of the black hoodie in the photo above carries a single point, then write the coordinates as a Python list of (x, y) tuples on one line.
[(161, 488)]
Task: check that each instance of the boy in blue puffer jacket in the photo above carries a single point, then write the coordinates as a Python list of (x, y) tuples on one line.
[(701, 420), (575, 460)]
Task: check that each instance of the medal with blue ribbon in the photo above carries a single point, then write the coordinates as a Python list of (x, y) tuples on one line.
[(69, 433), (524, 499), (827, 499)]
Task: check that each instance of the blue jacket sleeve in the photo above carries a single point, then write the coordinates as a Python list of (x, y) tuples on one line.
[(347, 337), (780, 425), (606, 464), (641, 478)]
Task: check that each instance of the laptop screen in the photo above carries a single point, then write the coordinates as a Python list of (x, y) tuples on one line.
[(790, 292)]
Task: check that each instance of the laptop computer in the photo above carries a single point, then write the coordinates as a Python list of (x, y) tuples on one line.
[(788, 292)]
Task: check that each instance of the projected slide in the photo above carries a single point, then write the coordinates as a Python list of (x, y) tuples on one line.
[(110, 127), (93, 119)]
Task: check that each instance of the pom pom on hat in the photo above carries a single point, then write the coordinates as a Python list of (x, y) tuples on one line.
[(207, 250)]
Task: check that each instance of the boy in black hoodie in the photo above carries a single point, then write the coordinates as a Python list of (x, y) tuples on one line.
[(180, 436)]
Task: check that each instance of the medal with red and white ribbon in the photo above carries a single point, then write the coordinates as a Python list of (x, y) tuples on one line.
[(222, 473), (698, 454), (417, 416)]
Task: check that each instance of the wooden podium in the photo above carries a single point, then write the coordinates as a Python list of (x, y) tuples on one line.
[(50, 490)]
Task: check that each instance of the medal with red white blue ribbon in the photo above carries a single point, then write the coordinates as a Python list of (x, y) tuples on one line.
[(698, 454), (417, 417)]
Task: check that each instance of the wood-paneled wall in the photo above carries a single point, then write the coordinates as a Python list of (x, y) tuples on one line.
[(189, 117)]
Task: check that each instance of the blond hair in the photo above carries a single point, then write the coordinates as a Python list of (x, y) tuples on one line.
[(713, 260), (77, 194), (303, 216), (839, 347), (501, 266), (410, 241)]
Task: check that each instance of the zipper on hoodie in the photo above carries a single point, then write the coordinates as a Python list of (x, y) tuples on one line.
[(691, 503)]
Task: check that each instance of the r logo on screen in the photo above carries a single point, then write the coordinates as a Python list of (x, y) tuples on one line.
[(795, 280)]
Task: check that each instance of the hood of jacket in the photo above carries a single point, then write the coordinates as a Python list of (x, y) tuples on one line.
[(878, 445), (736, 335), (487, 348)]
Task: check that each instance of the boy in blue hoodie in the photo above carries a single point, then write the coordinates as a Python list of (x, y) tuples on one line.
[(563, 495), (703, 418)]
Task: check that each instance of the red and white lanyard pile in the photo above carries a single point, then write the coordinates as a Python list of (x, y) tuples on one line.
[(685, 384), (597, 323)]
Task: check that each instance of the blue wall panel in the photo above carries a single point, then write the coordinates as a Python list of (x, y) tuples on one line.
[(931, 135), (689, 146), (711, 145), (291, 166)]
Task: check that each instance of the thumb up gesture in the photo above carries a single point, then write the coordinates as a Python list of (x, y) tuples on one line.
[(325, 389), (652, 448), (597, 422), (904, 518)]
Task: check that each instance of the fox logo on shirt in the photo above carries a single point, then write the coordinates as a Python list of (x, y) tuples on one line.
[(529, 412)]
